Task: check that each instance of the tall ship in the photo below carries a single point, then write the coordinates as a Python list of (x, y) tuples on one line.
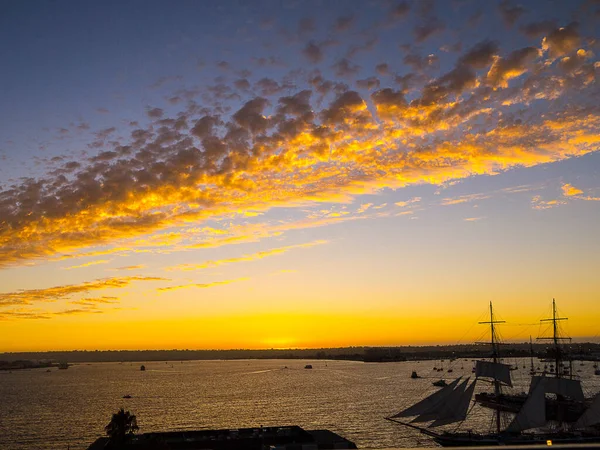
[(554, 411)]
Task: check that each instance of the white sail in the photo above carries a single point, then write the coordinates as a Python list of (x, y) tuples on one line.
[(591, 416), (560, 386), (458, 412), (444, 407), (494, 370), (428, 402), (533, 413)]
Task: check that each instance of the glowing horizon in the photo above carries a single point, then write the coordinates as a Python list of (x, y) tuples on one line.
[(301, 181)]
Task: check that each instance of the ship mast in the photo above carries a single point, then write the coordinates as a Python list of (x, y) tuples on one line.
[(495, 356), (558, 357), (556, 340), (532, 371)]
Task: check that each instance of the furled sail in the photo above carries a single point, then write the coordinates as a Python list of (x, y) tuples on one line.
[(445, 406), (533, 412), (591, 416), (458, 411), (560, 386), (428, 402), (494, 370)]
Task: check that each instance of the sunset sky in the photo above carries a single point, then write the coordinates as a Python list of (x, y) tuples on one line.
[(258, 174)]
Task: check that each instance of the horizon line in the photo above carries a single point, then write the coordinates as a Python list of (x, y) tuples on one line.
[(596, 341)]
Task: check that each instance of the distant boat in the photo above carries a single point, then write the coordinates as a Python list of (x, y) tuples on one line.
[(440, 383), (597, 372), (414, 374), (308, 366), (143, 367), (127, 396), (63, 365)]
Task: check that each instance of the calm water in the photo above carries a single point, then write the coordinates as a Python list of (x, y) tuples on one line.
[(40, 410)]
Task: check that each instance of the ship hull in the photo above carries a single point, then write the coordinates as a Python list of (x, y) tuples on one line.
[(570, 411)]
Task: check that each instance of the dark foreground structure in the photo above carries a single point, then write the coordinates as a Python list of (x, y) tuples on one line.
[(263, 438)]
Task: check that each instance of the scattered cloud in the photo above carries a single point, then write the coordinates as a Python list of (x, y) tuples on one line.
[(245, 258), (95, 301), (200, 285), (322, 142), (344, 23), (511, 12), (87, 264), (134, 267), (562, 40), (408, 202), (155, 113), (55, 293), (538, 203), (427, 29), (313, 52), (464, 199), (570, 190), (364, 207), (77, 311)]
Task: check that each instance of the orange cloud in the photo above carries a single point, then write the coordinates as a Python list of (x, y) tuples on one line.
[(252, 257), (254, 159), (52, 294), (570, 190), (134, 267), (91, 263), (538, 203), (408, 202), (200, 285), (473, 219), (364, 207)]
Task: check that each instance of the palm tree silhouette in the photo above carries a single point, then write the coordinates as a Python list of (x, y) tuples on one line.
[(122, 425)]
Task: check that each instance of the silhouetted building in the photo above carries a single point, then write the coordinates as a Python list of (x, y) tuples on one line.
[(262, 438)]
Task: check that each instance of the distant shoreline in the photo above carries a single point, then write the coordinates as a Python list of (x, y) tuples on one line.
[(579, 351)]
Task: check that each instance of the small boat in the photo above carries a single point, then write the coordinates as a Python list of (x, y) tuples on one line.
[(63, 365), (450, 370), (127, 396), (597, 372), (414, 374), (308, 366), (142, 367), (440, 383)]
